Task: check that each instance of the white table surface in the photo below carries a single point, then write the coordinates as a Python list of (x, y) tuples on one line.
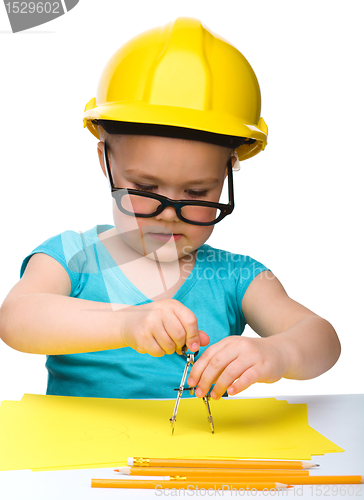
[(339, 418)]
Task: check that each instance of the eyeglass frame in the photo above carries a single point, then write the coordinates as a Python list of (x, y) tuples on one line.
[(226, 209)]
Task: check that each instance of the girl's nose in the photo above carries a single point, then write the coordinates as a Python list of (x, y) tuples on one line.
[(169, 213)]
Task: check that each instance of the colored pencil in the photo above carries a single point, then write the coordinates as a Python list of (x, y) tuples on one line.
[(196, 472), (233, 464), (188, 485), (323, 479), (285, 478)]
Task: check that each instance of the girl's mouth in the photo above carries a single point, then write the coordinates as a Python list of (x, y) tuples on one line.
[(165, 237)]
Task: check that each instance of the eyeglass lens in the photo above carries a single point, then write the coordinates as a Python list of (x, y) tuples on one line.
[(140, 205)]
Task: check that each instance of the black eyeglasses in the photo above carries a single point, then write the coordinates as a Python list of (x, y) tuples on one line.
[(140, 204)]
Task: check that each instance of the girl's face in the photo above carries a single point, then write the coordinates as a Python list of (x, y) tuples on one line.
[(176, 168)]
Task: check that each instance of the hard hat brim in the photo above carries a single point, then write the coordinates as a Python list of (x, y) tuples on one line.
[(211, 121)]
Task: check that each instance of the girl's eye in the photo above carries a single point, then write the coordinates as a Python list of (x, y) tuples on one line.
[(197, 194), (194, 194), (141, 187)]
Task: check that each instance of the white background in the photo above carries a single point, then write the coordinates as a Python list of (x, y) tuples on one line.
[(298, 204)]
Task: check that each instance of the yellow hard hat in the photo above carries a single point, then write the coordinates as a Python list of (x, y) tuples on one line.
[(181, 79)]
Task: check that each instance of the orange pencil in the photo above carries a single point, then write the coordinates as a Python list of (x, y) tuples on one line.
[(291, 479), (233, 464), (323, 479), (188, 485), (263, 476), (208, 472)]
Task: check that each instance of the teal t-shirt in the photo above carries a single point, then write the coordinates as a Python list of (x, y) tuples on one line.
[(213, 292)]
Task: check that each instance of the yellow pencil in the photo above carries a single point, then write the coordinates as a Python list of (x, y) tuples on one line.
[(188, 485), (208, 472), (233, 464)]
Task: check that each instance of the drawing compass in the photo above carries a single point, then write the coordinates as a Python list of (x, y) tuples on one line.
[(190, 360)]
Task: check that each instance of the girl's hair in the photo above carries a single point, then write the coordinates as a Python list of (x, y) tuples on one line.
[(113, 128)]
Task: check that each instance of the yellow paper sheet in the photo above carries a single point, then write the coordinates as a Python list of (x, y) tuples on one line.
[(55, 432)]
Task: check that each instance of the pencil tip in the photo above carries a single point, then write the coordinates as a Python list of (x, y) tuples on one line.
[(283, 485), (308, 465), (123, 470)]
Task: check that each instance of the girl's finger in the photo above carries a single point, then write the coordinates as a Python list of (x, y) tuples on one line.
[(175, 332), (153, 348), (249, 377), (190, 325), (204, 338), (201, 363), (232, 372), (214, 369)]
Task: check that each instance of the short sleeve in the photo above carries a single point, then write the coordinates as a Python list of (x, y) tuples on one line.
[(248, 269), (69, 249)]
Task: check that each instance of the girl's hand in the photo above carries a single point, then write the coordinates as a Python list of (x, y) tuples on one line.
[(235, 363), (161, 327)]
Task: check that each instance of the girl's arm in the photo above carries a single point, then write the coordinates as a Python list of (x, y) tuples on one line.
[(38, 315), (311, 342), (296, 343)]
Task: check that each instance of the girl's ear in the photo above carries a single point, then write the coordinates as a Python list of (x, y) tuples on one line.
[(100, 152), (235, 161)]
